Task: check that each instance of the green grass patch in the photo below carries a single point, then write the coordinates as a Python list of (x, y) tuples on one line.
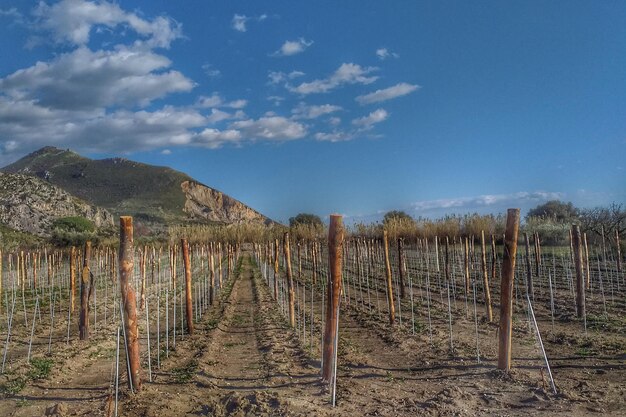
[(40, 368), (185, 374)]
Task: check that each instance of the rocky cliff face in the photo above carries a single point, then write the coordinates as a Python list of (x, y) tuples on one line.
[(206, 203), (31, 205)]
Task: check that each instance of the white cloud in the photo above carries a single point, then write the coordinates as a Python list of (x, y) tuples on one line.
[(334, 121), (277, 77), (377, 116), (293, 47), (217, 116), (239, 22), (276, 100), (214, 138), (397, 90), (216, 100), (384, 53), (166, 152), (31, 126), (335, 136), (72, 21), (487, 200), (83, 79), (304, 111), (270, 127), (211, 71), (347, 73)]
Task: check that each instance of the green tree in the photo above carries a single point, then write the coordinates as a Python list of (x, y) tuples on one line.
[(554, 210), (398, 216), (306, 219)]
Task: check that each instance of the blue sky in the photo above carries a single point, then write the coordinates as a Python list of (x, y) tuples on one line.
[(355, 107)]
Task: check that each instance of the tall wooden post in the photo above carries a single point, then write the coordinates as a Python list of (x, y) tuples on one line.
[(494, 258), (506, 289), (485, 277), (335, 254), (73, 277), (392, 308), (619, 251), (211, 274), (537, 254), (529, 275), (142, 267), (587, 267), (83, 323), (129, 299), (466, 266), (276, 269), (188, 298), (290, 290), (401, 268), (578, 262), (1, 277)]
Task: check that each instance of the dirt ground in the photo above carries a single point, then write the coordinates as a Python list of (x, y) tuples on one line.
[(243, 360)]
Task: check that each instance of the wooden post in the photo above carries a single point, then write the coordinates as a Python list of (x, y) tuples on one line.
[(587, 261), (494, 258), (466, 265), (276, 269), (1, 277), (290, 290), (392, 308), (506, 289), (83, 323), (142, 268), (485, 277), (129, 299), (335, 253), (529, 275), (578, 262), (212, 274), (401, 265), (188, 298), (537, 254), (619, 251)]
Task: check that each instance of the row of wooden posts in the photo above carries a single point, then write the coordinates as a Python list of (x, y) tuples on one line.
[(333, 288)]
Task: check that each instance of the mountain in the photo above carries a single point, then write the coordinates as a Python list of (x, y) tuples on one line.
[(30, 205), (154, 195)]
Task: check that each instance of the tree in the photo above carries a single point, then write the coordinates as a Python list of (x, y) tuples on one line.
[(306, 219), (398, 216), (554, 210), (609, 218)]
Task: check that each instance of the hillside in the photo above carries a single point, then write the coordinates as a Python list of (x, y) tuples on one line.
[(28, 204), (152, 194)]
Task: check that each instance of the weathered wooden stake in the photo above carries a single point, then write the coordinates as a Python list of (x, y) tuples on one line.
[(73, 278), (392, 308), (83, 324), (587, 267), (335, 256), (578, 262), (290, 290), (619, 251), (188, 298), (485, 277), (129, 299), (401, 266), (276, 269), (529, 275), (466, 266), (506, 289)]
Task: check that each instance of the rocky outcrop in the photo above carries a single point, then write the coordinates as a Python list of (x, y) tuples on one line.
[(206, 203), (30, 205)]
